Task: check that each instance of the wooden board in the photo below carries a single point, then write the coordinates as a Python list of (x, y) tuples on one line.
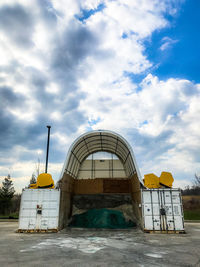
[(163, 232), (101, 185), (116, 186)]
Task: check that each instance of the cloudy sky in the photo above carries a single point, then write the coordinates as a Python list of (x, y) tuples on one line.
[(122, 65)]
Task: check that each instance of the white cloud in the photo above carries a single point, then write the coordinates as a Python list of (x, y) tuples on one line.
[(76, 75), (182, 184), (140, 18), (167, 43), (165, 107)]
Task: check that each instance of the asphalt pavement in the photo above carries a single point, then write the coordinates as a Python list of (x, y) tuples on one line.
[(83, 247)]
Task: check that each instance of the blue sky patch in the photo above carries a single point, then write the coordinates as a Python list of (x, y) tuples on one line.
[(181, 59), (93, 122), (135, 78), (86, 13)]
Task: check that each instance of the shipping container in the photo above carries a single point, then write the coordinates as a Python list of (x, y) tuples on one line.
[(39, 210), (162, 210)]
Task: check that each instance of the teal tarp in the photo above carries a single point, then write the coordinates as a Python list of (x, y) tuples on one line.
[(101, 218)]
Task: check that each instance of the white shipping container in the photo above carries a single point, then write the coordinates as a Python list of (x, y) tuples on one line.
[(162, 210), (39, 209)]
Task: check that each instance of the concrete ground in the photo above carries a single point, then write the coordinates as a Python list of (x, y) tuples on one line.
[(81, 247)]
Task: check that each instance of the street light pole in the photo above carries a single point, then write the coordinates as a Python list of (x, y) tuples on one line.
[(47, 154)]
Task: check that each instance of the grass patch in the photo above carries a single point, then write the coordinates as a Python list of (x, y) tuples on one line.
[(192, 214), (10, 216)]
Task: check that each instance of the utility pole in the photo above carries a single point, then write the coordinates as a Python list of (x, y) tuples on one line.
[(47, 154)]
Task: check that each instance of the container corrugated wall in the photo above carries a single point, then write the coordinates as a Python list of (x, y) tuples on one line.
[(39, 210), (162, 210)]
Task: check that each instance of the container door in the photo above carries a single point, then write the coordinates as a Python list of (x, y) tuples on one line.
[(162, 209), (38, 217), (171, 206), (27, 216), (151, 216), (151, 210), (39, 209)]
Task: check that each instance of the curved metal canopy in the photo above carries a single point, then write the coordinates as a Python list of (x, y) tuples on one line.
[(100, 140)]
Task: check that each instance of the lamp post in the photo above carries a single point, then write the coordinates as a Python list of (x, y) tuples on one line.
[(47, 154)]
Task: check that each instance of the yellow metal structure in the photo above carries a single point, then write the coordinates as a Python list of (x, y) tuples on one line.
[(44, 180), (166, 179), (152, 181)]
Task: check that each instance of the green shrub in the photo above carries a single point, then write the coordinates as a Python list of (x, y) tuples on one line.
[(192, 214)]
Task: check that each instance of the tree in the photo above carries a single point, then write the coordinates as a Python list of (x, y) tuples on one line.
[(197, 180), (6, 194), (38, 167), (194, 189), (33, 179)]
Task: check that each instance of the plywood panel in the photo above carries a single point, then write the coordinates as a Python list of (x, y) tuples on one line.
[(67, 187), (67, 183), (88, 186), (116, 186), (136, 197), (102, 185)]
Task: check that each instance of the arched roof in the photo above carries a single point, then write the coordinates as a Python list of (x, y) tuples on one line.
[(100, 140)]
